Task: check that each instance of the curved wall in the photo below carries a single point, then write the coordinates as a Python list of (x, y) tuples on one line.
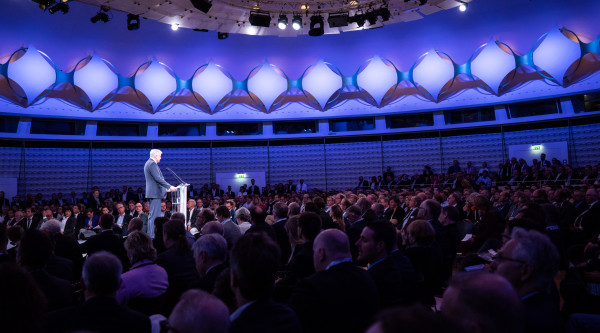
[(68, 39)]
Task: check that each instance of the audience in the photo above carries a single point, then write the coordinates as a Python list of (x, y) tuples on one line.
[(210, 252), (199, 312)]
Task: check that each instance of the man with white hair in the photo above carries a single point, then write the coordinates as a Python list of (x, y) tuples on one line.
[(156, 187)]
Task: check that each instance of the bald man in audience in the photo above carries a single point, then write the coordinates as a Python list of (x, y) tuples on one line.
[(212, 227), (197, 312), (480, 302), (339, 297)]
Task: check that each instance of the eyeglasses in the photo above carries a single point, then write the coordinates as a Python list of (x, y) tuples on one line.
[(499, 258)]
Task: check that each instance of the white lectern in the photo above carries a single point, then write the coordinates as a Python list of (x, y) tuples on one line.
[(179, 198)]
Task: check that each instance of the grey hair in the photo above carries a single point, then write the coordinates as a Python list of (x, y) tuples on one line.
[(536, 248), (101, 273), (214, 245), (155, 152), (242, 214), (52, 227)]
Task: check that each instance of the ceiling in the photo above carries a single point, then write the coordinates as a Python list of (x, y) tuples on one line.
[(232, 16)]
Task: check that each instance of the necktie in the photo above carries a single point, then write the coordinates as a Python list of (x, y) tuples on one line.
[(28, 223)]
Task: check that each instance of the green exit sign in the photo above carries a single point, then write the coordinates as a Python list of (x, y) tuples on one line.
[(536, 147), (241, 175)]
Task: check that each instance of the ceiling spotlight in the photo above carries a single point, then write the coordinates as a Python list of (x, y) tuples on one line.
[(133, 22), (260, 19), (462, 7), (316, 26), (101, 15), (61, 6), (222, 35), (175, 26), (297, 22), (202, 5), (283, 22), (337, 20)]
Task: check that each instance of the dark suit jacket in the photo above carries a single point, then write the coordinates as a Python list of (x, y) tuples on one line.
[(542, 314), (254, 190), (207, 283), (195, 213), (266, 316), (98, 314), (58, 291), (126, 219), (106, 240), (392, 287), (353, 233), (283, 240), (156, 186), (369, 216), (342, 298), (300, 266), (263, 227), (181, 270), (70, 227)]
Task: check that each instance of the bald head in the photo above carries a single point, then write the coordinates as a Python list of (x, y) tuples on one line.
[(212, 227), (330, 245), (482, 302), (198, 311)]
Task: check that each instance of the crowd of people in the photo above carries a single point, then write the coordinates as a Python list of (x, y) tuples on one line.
[(471, 249)]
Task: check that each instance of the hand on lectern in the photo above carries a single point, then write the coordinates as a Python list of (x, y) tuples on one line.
[(172, 189)]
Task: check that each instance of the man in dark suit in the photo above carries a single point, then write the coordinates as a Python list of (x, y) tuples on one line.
[(280, 212), (254, 262), (33, 221), (122, 219), (230, 192), (100, 312), (253, 188), (586, 224), (106, 240), (374, 247), (356, 225), (95, 202), (209, 253), (156, 187), (192, 213), (362, 184), (331, 299)]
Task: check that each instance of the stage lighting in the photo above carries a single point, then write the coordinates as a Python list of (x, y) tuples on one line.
[(101, 15), (297, 22), (202, 5), (316, 26), (463, 6), (61, 6), (338, 20), (133, 22), (174, 26), (260, 19), (283, 22), (222, 35)]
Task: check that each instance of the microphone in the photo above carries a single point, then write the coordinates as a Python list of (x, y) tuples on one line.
[(177, 177)]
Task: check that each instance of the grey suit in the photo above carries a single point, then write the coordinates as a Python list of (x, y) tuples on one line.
[(156, 189)]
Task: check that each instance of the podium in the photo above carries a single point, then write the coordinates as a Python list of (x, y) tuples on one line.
[(179, 199)]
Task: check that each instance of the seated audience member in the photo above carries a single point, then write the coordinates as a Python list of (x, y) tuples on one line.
[(135, 224), (90, 219), (14, 235), (122, 219), (4, 256), (56, 265), (157, 242), (291, 226), (583, 323), (337, 215), (426, 258), (258, 216), (34, 251), (198, 312), (254, 261), (354, 227), (485, 227), (23, 303), (529, 261), (449, 217), (482, 302), (415, 319), (231, 231), (280, 216), (100, 312), (177, 260), (329, 300), (242, 218), (106, 240), (68, 222), (145, 280), (210, 252), (212, 227), (206, 215), (374, 247)]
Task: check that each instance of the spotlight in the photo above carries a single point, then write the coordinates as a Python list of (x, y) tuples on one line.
[(463, 6), (316, 26), (61, 6), (297, 22), (260, 19), (222, 35), (338, 20), (133, 22), (101, 15), (202, 5), (174, 26), (283, 22)]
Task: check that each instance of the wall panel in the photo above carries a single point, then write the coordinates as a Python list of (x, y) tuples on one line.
[(297, 162), (53, 170), (347, 161)]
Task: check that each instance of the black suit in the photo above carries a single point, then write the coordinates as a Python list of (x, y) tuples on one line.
[(300, 266), (353, 233), (70, 227), (207, 282), (342, 298), (589, 223), (283, 240), (266, 316), (542, 314), (369, 215), (93, 204), (363, 184), (107, 240), (58, 291), (192, 219), (392, 286), (181, 270), (98, 314), (126, 219), (253, 189), (263, 227)]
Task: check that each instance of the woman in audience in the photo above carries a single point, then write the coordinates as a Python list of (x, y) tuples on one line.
[(397, 212), (145, 279), (291, 226), (242, 217), (485, 226), (337, 215)]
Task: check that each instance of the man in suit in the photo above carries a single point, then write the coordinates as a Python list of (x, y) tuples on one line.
[(209, 254), (122, 219), (586, 224), (356, 223), (301, 187), (230, 192), (32, 220), (95, 202), (198, 311), (330, 300), (253, 188), (254, 262), (231, 231), (280, 213), (192, 214), (106, 240), (100, 311), (156, 187), (362, 184)]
